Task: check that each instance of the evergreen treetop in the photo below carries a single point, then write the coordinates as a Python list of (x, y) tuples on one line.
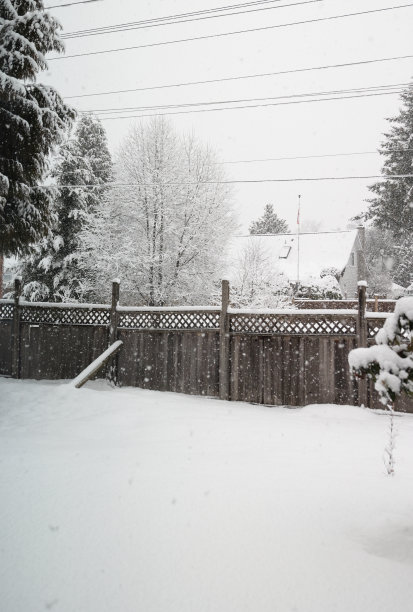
[(33, 119), (269, 223), (391, 207)]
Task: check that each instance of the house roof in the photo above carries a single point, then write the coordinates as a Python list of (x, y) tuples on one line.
[(317, 251)]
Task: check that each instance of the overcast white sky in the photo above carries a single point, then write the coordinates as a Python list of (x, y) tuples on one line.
[(317, 128)]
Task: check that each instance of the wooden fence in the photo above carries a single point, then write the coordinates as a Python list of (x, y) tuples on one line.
[(372, 304), (268, 357)]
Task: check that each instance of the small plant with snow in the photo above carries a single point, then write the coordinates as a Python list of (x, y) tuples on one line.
[(390, 365), (390, 362)]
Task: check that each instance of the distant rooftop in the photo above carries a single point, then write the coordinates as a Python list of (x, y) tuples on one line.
[(318, 250)]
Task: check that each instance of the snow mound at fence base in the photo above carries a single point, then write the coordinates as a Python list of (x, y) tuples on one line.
[(137, 500)]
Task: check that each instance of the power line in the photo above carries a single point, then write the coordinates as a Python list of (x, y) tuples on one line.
[(100, 111), (296, 157), (153, 23), (233, 33), (57, 6), (248, 181), (210, 110), (247, 76), (177, 15)]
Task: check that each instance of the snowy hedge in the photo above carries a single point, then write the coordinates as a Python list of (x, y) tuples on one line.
[(390, 362), (325, 287)]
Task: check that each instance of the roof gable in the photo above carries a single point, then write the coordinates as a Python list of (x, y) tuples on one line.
[(280, 252)]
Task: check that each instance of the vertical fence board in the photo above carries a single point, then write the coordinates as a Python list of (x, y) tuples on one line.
[(267, 383), (213, 364), (6, 348), (286, 369), (312, 376), (234, 364), (301, 372), (277, 371)]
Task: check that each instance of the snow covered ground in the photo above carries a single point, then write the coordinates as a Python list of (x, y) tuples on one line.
[(131, 500)]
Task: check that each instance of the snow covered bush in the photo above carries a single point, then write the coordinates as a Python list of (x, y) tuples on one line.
[(390, 362), (330, 271), (33, 119), (323, 288), (275, 292)]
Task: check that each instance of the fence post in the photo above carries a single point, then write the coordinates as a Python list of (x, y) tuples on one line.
[(113, 373), (224, 343), (362, 336), (16, 338)]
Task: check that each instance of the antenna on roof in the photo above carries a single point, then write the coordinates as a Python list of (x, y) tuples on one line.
[(298, 241)]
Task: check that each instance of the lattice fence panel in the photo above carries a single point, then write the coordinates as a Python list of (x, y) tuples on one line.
[(6, 311), (292, 325), (374, 326), (65, 316), (169, 320)]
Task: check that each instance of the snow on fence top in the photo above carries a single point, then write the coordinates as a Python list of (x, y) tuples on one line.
[(377, 315), (63, 305), (197, 318), (167, 308), (294, 311)]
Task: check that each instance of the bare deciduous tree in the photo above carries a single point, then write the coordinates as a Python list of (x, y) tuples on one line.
[(164, 227)]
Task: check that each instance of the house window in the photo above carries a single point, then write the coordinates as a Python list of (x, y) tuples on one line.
[(285, 251), (352, 259)]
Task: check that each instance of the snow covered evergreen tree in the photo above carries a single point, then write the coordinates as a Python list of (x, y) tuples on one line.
[(164, 234), (391, 208), (54, 272), (403, 261), (33, 119), (379, 261), (269, 223)]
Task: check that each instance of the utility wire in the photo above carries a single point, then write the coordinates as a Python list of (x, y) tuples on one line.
[(375, 88), (175, 16), (210, 110), (233, 33), (249, 181), (297, 157), (247, 76), (57, 6), (287, 158), (143, 25)]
